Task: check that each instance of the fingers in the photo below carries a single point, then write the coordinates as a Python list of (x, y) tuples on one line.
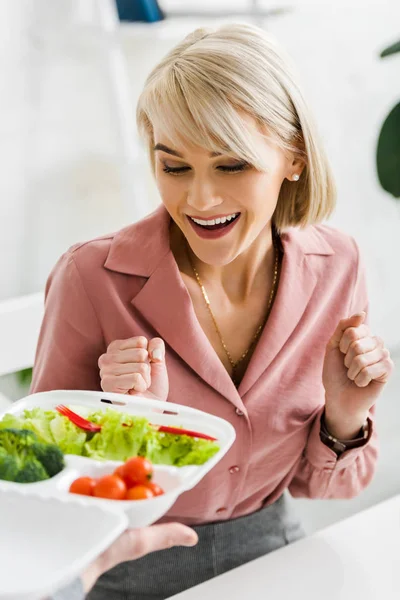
[(379, 371), (156, 350), (135, 543), (116, 368), (361, 346), (125, 367), (134, 342), (367, 359), (159, 537), (351, 335), (344, 325), (138, 378), (362, 361), (137, 355)]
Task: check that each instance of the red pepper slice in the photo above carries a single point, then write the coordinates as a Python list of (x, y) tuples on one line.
[(180, 431)]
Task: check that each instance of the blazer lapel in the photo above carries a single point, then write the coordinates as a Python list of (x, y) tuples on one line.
[(166, 304), (143, 249), (296, 286)]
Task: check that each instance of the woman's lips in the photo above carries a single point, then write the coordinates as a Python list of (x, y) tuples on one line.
[(215, 231)]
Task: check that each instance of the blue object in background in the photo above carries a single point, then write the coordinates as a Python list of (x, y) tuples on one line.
[(139, 10)]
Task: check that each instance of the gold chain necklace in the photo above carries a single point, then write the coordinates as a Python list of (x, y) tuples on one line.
[(234, 364)]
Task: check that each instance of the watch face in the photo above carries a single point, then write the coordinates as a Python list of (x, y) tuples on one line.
[(339, 446), (332, 443)]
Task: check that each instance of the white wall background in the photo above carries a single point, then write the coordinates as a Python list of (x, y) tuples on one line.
[(61, 155)]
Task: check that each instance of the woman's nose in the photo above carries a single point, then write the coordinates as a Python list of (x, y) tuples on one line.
[(203, 196)]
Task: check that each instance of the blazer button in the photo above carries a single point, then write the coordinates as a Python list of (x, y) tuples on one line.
[(239, 412), (234, 469)]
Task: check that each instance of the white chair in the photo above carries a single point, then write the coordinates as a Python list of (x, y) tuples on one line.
[(20, 320)]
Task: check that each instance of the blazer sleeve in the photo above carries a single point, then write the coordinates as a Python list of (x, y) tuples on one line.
[(320, 472), (70, 341)]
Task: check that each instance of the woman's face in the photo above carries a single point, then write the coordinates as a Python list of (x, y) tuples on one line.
[(220, 204)]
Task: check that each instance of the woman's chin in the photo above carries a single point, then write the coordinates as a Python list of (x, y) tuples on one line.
[(215, 258)]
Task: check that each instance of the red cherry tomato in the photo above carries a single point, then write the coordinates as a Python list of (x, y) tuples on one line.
[(111, 487), (83, 486), (137, 470), (119, 472), (155, 488), (139, 492)]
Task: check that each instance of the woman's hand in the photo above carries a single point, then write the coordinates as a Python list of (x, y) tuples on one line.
[(356, 368), (134, 544), (135, 366)]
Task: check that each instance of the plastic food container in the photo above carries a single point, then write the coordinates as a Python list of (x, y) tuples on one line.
[(174, 480), (47, 542)]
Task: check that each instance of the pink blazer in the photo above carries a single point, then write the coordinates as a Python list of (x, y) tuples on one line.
[(128, 284)]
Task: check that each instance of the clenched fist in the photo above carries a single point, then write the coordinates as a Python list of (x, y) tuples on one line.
[(135, 366), (356, 368)]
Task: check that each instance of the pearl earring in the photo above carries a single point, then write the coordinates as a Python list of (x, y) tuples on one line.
[(296, 177)]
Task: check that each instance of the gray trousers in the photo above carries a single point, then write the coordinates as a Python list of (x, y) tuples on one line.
[(222, 546)]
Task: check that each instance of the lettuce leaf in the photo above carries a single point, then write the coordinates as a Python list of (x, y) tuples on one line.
[(177, 450), (122, 436), (68, 437)]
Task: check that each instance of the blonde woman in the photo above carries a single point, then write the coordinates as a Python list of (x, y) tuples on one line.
[(231, 298)]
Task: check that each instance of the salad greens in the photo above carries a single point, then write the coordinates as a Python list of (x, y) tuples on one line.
[(50, 427), (25, 459), (122, 436)]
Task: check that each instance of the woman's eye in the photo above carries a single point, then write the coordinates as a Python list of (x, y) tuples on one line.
[(225, 168), (175, 170), (234, 168)]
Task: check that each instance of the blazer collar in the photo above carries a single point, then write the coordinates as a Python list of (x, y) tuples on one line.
[(143, 250), (139, 248)]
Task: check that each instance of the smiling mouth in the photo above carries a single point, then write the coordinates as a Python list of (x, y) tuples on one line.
[(215, 224)]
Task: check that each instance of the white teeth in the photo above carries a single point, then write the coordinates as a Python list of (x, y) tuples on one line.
[(217, 221)]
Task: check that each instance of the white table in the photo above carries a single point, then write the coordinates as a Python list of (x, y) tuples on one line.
[(358, 558)]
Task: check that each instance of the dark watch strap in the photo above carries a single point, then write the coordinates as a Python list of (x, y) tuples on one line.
[(340, 446)]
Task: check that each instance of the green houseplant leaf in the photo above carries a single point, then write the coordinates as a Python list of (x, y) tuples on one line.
[(388, 153), (388, 149), (390, 50)]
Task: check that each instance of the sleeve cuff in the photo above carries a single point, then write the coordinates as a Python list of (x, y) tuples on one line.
[(323, 457)]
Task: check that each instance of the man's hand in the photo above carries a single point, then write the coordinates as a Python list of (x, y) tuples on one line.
[(135, 543)]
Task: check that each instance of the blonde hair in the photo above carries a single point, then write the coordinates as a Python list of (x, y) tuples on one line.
[(197, 93)]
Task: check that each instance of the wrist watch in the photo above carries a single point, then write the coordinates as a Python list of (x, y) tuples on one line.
[(340, 446)]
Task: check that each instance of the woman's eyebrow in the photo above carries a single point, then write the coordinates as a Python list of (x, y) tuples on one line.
[(164, 148)]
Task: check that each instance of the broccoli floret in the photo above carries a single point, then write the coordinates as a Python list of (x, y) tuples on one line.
[(26, 436), (31, 472), (8, 466), (50, 456), (16, 441), (25, 460)]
